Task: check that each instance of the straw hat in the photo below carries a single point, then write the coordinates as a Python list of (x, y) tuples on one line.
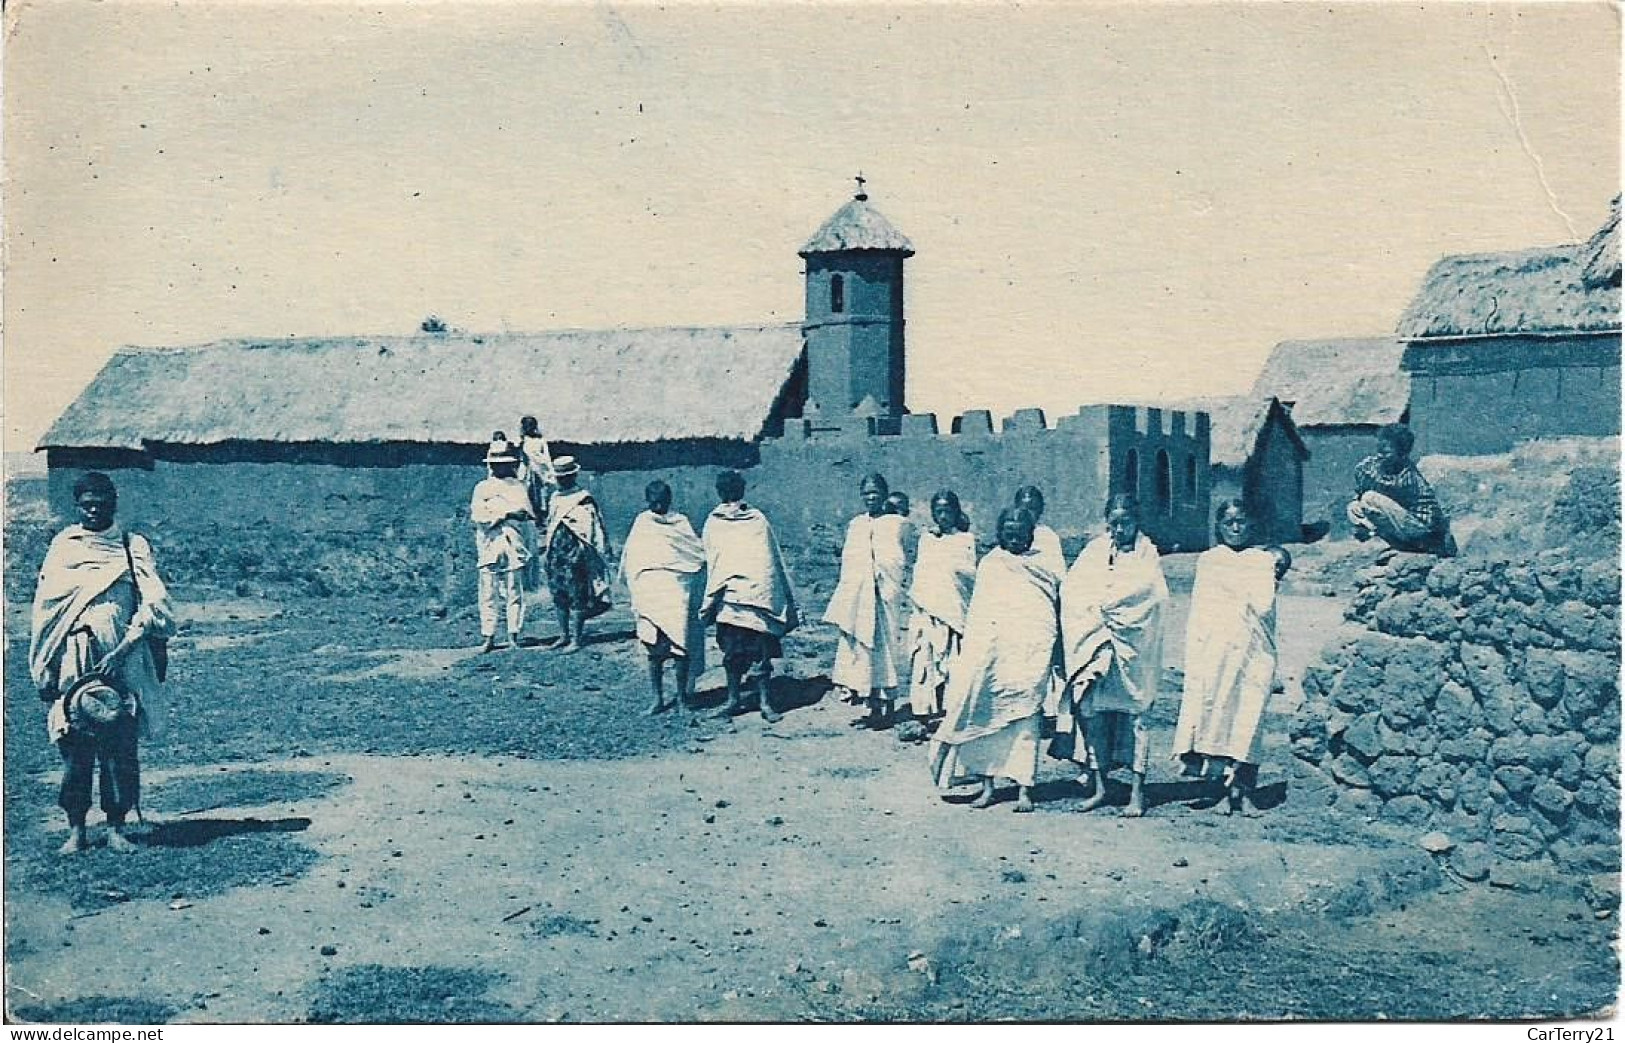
[(501, 453), (565, 465)]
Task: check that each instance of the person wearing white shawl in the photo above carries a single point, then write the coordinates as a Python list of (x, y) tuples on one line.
[(504, 532), (98, 604), (1046, 540), (995, 694), (1230, 656), (663, 563), (747, 594), (1111, 630), (940, 593), (577, 557), (867, 605)]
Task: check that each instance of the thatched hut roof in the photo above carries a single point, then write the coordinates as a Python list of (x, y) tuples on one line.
[(1337, 382), (586, 386), (1235, 423), (1558, 289), (1602, 251), (858, 226)]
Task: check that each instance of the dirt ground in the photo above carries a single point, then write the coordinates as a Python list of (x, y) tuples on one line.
[(357, 818)]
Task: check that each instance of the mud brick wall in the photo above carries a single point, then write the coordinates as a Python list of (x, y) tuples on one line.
[(1479, 698)]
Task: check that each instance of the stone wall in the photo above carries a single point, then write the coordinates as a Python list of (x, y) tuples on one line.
[(1478, 698)]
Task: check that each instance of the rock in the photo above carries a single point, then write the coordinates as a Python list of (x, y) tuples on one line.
[(1471, 861), (1516, 779), (1361, 803), (1528, 878), (1543, 674), (1437, 782), (1486, 668), (329, 950), (1520, 843), (1392, 775), (1407, 810), (1546, 752), (775, 820), (1586, 858), (1356, 688), (1363, 739), (1436, 843), (1350, 772), (1552, 799), (1455, 711), (1601, 891), (1013, 876), (1599, 582)]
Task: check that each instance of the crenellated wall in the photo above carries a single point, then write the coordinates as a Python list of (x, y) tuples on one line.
[(808, 479)]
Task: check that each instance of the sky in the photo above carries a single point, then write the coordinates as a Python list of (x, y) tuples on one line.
[(1109, 202)]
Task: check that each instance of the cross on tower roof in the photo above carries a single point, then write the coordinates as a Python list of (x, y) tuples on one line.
[(861, 193)]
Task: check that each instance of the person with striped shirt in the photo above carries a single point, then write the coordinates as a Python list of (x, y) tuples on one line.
[(1394, 502)]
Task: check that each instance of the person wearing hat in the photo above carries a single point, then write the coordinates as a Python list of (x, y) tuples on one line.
[(99, 608), (504, 532), (576, 560)]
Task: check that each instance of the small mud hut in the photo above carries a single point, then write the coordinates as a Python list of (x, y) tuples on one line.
[(1339, 393)]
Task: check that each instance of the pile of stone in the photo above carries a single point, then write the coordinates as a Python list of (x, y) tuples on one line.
[(1478, 699)]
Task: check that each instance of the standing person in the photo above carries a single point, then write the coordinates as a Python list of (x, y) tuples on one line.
[(1111, 631), (504, 533), (747, 594), (99, 608), (1046, 540), (538, 461), (996, 689), (663, 562), (867, 605), (1394, 502), (940, 592), (577, 555), (897, 503), (1230, 655)]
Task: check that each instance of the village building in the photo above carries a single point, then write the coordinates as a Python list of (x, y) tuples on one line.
[(1506, 347), (1256, 456), (383, 436), (1339, 394)]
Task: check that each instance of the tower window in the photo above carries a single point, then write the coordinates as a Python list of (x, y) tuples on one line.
[(1165, 482), (1131, 474), (837, 293), (1190, 479)]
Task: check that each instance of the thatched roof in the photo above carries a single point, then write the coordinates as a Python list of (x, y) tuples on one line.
[(586, 386), (1558, 289), (1235, 423), (858, 226), (1335, 382), (1602, 251)]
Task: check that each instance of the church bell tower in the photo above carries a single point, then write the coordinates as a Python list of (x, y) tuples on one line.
[(854, 316)]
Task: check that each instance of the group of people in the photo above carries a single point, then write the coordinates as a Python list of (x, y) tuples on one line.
[(986, 649), (992, 648), (532, 521)]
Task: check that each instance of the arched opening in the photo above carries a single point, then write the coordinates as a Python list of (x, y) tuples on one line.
[(1190, 479), (837, 293), (1165, 482), (1131, 473)]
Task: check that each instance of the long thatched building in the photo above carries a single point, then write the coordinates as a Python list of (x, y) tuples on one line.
[(352, 432), (1506, 347)]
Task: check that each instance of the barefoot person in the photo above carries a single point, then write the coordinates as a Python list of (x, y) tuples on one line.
[(1394, 502), (1111, 633), (504, 532), (577, 555), (97, 610), (995, 694), (940, 593), (747, 594), (664, 563), (867, 605), (1230, 656)]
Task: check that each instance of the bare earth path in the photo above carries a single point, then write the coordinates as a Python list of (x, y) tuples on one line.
[(802, 871)]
